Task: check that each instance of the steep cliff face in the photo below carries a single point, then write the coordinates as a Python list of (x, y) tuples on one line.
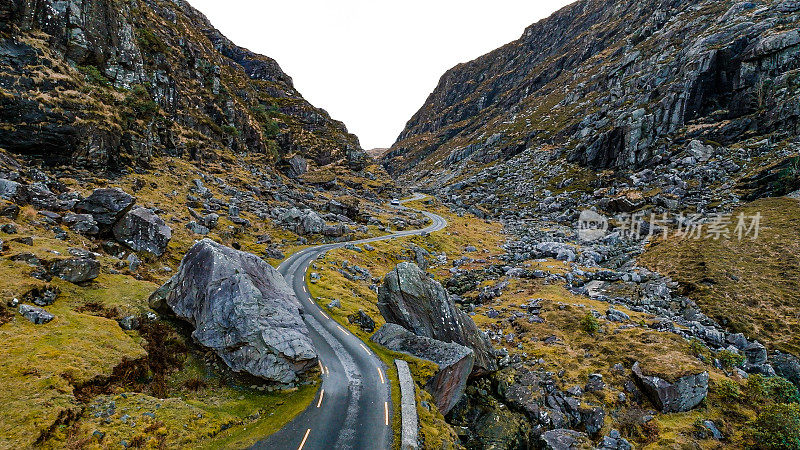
[(106, 83), (614, 84)]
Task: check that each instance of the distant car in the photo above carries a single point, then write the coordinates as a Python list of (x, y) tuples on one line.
[(395, 202)]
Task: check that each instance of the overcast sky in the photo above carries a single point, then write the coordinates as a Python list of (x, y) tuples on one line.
[(372, 63)]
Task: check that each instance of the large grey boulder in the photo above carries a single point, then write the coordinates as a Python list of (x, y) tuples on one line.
[(106, 205), (40, 196), (141, 230), (680, 396), (75, 270), (242, 309), (347, 209), (409, 298), (455, 362), (310, 223), (699, 151)]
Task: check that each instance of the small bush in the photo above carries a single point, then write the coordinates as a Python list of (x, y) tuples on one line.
[(776, 428), (94, 76), (728, 390), (230, 130), (265, 118), (697, 347), (633, 424), (729, 359), (782, 390), (590, 324), (139, 103), (271, 129), (761, 389), (150, 42)]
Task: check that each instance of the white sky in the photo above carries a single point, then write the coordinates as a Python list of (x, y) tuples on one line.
[(372, 63)]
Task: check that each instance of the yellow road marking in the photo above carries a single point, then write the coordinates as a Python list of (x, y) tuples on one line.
[(386, 412), (305, 438)]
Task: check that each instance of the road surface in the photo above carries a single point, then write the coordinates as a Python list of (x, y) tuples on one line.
[(353, 408)]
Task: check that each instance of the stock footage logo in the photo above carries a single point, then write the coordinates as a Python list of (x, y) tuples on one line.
[(592, 226)]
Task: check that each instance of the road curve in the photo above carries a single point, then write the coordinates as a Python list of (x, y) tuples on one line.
[(352, 409)]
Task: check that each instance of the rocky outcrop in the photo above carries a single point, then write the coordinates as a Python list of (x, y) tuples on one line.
[(487, 423), (81, 223), (614, 441), (242, 309), (679, 396), (411, 299), (454, 362), (141, 230)]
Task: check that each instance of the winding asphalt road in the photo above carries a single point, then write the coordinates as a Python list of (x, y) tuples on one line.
[(352, 410)]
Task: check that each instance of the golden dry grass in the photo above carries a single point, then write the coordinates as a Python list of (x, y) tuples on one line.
[(749, 286)]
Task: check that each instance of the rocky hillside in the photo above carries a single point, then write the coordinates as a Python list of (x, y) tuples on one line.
[(643, 159), (614, 84), (109, 83)]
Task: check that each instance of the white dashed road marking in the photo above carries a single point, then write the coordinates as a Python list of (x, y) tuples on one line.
[(304, 439)]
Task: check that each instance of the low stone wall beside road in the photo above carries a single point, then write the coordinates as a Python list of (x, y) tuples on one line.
[(408, 406)]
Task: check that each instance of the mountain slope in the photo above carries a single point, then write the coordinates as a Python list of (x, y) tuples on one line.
[(614, 84), (104, 83)]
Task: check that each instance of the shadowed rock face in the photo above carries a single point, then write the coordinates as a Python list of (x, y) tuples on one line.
[(455, 362), (409, 298), (242, 309), (682, 395)]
